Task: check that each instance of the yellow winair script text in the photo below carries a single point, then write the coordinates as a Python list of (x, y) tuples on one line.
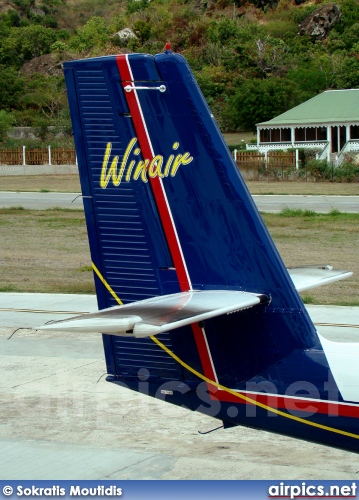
[(140, 169)]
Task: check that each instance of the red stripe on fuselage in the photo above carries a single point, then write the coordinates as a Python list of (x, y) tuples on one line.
[(163, 206), (292, 404), (156, 183)]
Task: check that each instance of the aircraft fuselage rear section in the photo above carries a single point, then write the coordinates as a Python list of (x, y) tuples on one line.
[(167, 211)]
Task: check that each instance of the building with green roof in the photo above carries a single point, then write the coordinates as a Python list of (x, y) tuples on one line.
[(328, 123)]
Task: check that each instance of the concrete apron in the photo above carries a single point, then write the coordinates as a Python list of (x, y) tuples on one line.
[(60, 419)]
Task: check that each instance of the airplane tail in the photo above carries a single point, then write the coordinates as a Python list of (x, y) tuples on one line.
[(211, 318)]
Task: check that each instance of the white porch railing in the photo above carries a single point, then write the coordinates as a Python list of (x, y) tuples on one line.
[(325, 153), (349, 146), (270, 146)]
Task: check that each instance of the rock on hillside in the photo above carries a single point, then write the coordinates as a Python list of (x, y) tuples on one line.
[(319, 23), (125, 35), (47, 64)]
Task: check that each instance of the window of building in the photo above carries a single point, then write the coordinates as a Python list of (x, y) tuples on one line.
[(285, 135), (354, 131), (310, 134), (299, 134), (275, 135), (322, 134), (264, 135)]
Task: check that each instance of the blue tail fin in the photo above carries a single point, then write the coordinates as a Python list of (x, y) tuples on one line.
[(167, 211)]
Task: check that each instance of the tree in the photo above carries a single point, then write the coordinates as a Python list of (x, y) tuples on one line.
[(347, 76), (142, 30), (23, 44), (94, 33), (222, 31), (6, 121), (46, 94), (260, 100), (11, 18), (212, 80), (271, 54), (11, 88)]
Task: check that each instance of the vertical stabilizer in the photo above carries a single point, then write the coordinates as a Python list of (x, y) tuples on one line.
[(167, 211)]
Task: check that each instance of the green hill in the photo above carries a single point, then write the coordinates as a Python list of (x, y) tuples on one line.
[(248, 57)]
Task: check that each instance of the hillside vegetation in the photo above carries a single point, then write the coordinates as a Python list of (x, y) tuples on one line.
[(248, 57)]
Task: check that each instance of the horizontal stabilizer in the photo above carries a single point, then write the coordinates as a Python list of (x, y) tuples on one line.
[(159, 314), (307, 277)]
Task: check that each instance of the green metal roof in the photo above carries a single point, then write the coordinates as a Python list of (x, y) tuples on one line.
[(330, 106)]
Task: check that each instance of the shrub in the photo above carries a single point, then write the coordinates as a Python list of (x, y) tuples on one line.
[(347, 172), (94, 33), (26, 43), (223, 30), (6, 122), (142, 30), (319, 169), (41, 127), (135, 6)]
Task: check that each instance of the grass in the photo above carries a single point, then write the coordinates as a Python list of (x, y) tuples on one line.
[(8, 288), (236, 138), (298, 212), (60, 221), (333, 215), (44, 251), (61, 209), (70, 183), (304, 237), (85, 269), (61, 183), (308, 299), (12, 210), (304, 188), (47, 251)]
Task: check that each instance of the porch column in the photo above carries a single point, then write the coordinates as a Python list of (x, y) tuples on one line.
[(329, 138), (292, 135), (258, 135), (347, 133)]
